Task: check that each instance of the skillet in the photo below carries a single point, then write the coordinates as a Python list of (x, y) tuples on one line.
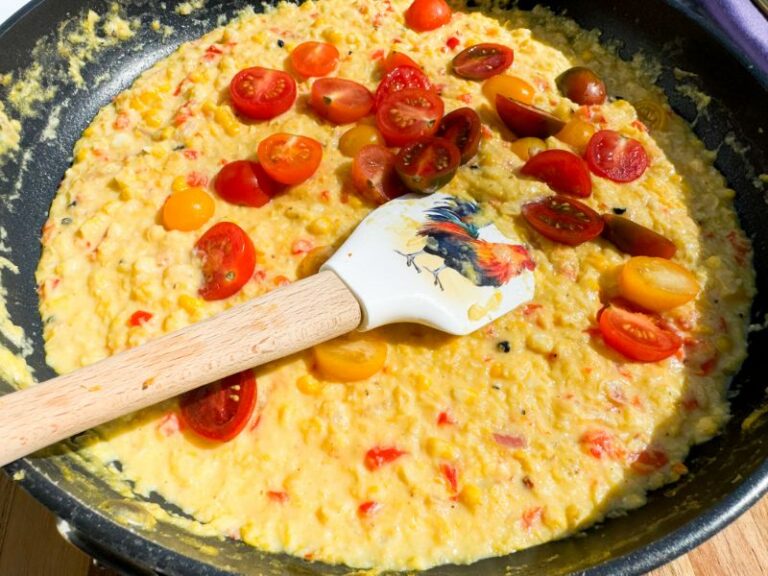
[(728, 474)]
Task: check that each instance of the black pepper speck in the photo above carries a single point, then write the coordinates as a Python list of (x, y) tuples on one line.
[(619, 211), (280, 43), (504, 346)]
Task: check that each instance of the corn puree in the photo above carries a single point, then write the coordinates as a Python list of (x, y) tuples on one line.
[(522, 398)]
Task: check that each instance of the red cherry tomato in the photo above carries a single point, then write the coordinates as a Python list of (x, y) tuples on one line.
[(395, 59), (374, 175), (261, 94), (340, 101), (562, 171), (219, 411), (637, 336), (616, 157), (424, 15), (314, 59), (635, 239), (228, 258), (398, 79), (482, 61), (408, 116), (462, 128), (288, 158), (563, 219), (376, 457), (526, 120), (246, 184), (428, 165), (582, 86)]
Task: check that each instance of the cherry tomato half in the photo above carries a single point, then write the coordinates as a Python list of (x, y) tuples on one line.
[(219, 411), (563, 219), (428, 165), (340, 101), (409, 115), (261, 93), (357, 138), (635, 239), (482, 61), (398, 79), (228, 260), (581, 85), (351, 357), (395, 59), (637, 336), (656, 284), (288, 158), (374, 175), (510, 87), (562, 171), (616, 157), (311, 59), (246, 184), (526, 120), (462, 128), (424, 15)]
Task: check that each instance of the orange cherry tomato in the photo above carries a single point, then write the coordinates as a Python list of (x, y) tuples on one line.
[(357, 138), (290, 159), (425, 15), (657, 284), (315, 258), (349, 358), (509, 87), (577, 133), (637, 336), (187, 209), (526, 148), (311, 59), (228, 260)]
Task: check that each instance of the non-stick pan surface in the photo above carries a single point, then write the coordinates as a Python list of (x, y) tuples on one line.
[(727, 474)]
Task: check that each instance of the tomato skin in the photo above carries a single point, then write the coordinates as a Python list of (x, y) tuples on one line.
[(563, 219), (246, 183), (219, 411), (636, 335), (228, 260), (427, 165), (525, 120), (635, 239), (562, 171), (395, 59), (377, 457), (656, 283), (462, 128), (261, 93), (400, 78), (139, 318), (482, 61), (340, 101), (408, 116), (374, 175), (581, 85), (425, 15), (311, 59), (616, 157), (288, 158)]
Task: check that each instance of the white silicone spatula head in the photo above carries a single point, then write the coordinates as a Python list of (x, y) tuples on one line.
[(433, 260)]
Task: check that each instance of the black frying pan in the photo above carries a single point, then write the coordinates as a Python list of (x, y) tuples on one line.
[(727, 474)]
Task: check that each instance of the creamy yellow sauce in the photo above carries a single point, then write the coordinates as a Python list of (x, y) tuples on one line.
[(106, 255)]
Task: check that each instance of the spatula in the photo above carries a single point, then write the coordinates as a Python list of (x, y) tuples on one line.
[(433, 260)]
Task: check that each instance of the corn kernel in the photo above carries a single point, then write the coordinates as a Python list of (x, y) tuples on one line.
[(136, 103), (158, 151), (150, 98), (152, 118), (320, 225), (164, 87), (423, 382), (332, 36), (192, 305), (197, 76), (310, 385), (163, 134), (498, 370), (155, 25), (208, 107), (81, 154), (88, 131), (355, 202), (471, 495), (179, 184), (438, 448), (224, 117), (729, 194)]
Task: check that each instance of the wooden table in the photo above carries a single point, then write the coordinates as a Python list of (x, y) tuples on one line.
[(30, 545)]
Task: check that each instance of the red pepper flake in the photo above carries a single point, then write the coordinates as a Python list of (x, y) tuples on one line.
[(259, 275), (532, 516), (281, 281), (325, 196), (195, 179), (368, 509), (691, 404), (709, 365), (599, 443), (377, 55), (466, 98), (445, 419), (278, 496), (139, 318), (301, 246), (527, 482), (529, 309), (184, 113), (451, 476), (511, 441), (649, 461), (211, 52), (376, 457), (191, 154), (170, 424), (122, 121), (452, 42)]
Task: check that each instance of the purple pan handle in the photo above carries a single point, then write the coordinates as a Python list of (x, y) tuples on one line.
[(744, 23)]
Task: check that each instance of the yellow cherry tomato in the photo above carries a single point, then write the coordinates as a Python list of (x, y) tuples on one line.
[(315, 258), (509, 86), (357, 138), (349, 358), (656, 283), (652, 114), (187, 209), (577, 133), (527, 147)]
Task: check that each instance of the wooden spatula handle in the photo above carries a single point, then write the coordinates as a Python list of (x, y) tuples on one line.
[(287, 320)]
